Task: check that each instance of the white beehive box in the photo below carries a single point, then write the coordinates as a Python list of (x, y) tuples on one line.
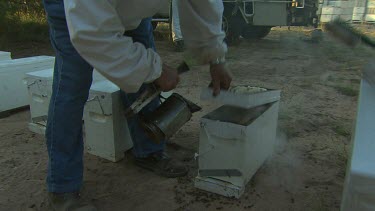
[(39, 85), (5, 56), (370, 18), (359, 191), (234, 142), (13, 92), (106, 128), (330, 13)]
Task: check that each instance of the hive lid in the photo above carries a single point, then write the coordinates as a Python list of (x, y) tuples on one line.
[(42, 74), (242, 96)]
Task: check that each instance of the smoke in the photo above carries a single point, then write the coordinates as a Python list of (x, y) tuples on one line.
[(283, 168)]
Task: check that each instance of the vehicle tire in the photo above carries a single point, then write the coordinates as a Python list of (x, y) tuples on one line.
[(255, 32), (233, 26), (154, 24)]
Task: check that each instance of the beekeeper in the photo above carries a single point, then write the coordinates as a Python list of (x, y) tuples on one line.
[(115, 37)]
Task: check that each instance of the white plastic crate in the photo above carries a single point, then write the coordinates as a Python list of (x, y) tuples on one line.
[(13, 92), (106, 128), (359, 191), (5, 56), (234, 143)]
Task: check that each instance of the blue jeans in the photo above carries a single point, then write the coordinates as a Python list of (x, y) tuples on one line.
[(71, 83)]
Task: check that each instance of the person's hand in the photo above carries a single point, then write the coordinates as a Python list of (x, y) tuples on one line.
[(221, 78), (168, 79)]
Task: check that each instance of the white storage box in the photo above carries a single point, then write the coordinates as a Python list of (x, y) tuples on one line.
[(359, 187), (234, 143), (39, 85), (106, 128), (13, 92), (5, 56)]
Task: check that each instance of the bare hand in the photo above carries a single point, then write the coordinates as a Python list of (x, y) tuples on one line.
[(221, 78), (168, 79)]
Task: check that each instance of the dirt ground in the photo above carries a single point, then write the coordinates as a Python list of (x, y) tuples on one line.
[(319, 83)]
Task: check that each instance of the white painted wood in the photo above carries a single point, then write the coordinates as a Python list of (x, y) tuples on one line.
[(370, 18), (344, 10), (39, 86), (359, 187), (217, 186), (5, 56), (13, 91), (106, 128), (96, 76), (37, 128), (225, 144), (242, 100)]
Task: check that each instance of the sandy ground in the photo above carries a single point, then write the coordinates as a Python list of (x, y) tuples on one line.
[(319, 84)]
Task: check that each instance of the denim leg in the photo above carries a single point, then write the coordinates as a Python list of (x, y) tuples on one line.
[(142, 145), (71, 84)]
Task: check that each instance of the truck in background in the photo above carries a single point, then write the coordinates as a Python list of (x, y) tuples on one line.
[(253, 19)]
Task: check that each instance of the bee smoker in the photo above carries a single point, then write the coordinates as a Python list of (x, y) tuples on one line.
[(168, 118)]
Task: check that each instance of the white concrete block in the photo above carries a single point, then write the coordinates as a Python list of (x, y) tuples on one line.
[(106, 128), (13, 91), (5, 56), (235, 139), (359, 191)]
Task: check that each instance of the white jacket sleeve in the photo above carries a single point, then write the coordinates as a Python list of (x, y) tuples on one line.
[(201, 26), (97, 34)]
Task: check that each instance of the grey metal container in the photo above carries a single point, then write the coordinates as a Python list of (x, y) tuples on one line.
[(167, 119)]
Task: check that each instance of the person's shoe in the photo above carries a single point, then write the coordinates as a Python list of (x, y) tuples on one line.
[(162, 165), (179, 46), (68, 202)]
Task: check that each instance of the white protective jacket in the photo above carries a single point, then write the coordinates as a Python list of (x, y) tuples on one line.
[(96, 30)]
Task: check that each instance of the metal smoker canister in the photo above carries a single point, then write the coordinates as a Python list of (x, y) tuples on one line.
[(166, 120)]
